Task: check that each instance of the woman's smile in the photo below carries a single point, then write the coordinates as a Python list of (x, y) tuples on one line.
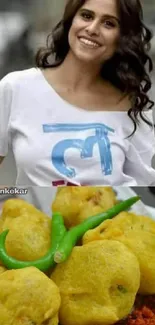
[(95, 27), (89, 43)]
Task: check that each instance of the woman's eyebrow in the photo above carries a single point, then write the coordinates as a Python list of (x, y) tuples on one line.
[(112, 17), (104, 16)]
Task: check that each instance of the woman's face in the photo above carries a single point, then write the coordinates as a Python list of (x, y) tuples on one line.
[(95, 31)]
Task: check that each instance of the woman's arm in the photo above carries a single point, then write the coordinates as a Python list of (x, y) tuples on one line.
[(5, 113), (141, 151)]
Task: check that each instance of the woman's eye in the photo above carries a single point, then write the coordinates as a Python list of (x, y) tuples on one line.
[(109, 23), (86, 16)]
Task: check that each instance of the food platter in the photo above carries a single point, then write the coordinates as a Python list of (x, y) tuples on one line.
[(142, 301)]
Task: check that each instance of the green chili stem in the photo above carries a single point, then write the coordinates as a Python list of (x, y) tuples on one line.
[(44, 263), (73, 235)]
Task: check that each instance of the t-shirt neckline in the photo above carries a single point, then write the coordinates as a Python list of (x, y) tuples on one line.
[(51, 89)]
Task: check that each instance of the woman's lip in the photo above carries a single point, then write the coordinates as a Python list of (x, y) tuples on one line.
[(90, 39)]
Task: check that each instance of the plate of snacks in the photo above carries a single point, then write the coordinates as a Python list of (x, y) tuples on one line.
[(92, 263)]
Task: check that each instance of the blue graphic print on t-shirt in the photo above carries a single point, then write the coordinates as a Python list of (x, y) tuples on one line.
[(84, 146)]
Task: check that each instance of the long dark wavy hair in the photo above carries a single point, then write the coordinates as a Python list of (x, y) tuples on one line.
[(128, 69)]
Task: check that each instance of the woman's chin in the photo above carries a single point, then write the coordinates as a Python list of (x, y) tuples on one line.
[(87, 58)]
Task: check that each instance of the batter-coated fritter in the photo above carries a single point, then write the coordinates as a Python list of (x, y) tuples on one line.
[(138, 234), (78, 203), (28, 297), (29, 235), (96, 283)]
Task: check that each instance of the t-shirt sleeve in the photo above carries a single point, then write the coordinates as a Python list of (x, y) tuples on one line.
[(5, 113), (141, 151)]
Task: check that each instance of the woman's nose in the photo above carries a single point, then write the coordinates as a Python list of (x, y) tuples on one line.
[(93, 28)]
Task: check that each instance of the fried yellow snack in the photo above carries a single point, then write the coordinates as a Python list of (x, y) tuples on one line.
[(78, 203), (138, 234), (96, 283), (13, 208), (2, 269), (29, 235), (1, 222), (1, 229), (28, 297)]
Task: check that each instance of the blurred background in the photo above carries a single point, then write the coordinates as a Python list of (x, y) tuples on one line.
[(24, 25)]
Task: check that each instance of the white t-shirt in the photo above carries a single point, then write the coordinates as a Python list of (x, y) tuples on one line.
[(56, 143)]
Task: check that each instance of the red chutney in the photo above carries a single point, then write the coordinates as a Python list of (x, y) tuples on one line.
[(143, 313)]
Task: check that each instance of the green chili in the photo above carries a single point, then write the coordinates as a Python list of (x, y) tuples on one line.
[(74, 234), (62, 241), (44, 263)]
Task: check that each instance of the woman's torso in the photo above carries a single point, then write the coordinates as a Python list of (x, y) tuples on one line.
[(56, 143)]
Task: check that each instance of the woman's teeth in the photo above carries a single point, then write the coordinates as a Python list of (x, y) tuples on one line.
[(89, 43)]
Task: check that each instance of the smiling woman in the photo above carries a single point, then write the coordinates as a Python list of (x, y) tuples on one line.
[(86, 118), (96, 27)]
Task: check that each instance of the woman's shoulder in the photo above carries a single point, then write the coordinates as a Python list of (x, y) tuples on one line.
[(125, 102), (118, 99), (16, 77), (123, 99)]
